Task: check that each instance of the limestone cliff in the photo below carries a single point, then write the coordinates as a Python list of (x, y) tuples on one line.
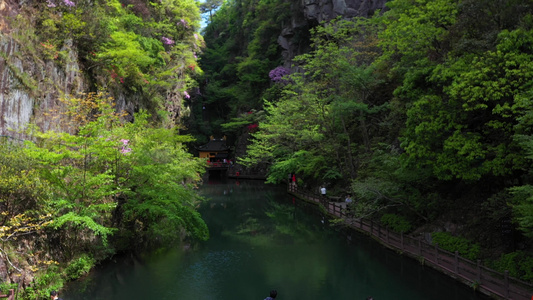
[(34, 77), (309, 13), (31, 87)]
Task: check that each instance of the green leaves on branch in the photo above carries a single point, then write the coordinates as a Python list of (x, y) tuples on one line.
[(466, 130), (110, 166), (323, 117), (161, 197), (75, 220)]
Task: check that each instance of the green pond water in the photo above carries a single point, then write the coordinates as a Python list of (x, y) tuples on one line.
[(263, 239)]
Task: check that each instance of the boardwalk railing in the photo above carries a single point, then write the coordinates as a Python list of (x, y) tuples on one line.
[(487, 281), (10, 295)]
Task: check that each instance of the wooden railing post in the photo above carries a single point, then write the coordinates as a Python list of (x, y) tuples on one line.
[(437, 253), (401, 240), (419, 246), (456, 264), (478, 271), (506, 283), (371, 227)]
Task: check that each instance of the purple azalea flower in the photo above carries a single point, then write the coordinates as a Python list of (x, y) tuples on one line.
[(167, 41), (278, 73), (186, 95), (69, 3), (183, 23), (50, 3)]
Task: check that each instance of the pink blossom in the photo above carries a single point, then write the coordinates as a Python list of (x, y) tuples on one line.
[(183, 23), (186, 95), (125, 150), (125, 142), (69, 3), (167, 41), (50, 3)]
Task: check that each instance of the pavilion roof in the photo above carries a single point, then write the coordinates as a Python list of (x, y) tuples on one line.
[(214, 145)]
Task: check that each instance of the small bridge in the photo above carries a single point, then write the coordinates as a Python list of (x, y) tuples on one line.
[(217, 166)]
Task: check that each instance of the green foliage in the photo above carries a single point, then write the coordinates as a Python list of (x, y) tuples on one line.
[(120, 45), (452, 243), (415, 29), (320, 124), (427, 101), (43, 283), (75, 220), (522, 205), (79, 267), (80, 189), (467, 132), (20, 185), (396, 223), (247, 118), (241, 49), (518, 263), (88, 173), (161, 198)]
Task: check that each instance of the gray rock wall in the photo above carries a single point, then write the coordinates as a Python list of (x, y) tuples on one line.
[(309, 13), (30, 88)]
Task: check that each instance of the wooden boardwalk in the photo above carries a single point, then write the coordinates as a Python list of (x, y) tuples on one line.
[(495, 284)]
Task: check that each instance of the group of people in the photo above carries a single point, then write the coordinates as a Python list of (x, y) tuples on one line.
[(291, 181)]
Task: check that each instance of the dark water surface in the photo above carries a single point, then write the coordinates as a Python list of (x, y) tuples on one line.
[(262, 240)]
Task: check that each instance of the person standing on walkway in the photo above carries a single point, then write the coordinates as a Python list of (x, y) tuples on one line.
[(54, 295), (323, 191), (273, 295), (294, 180), (348, 199)]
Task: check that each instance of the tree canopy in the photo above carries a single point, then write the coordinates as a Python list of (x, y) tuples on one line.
[(420, 111)]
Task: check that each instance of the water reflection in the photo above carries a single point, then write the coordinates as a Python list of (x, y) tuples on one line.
[(261, 240)]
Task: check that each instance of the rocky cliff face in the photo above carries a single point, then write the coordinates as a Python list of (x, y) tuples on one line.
[(309, 13), (31, 88)]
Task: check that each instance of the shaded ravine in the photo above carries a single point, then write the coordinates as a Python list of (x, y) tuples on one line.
[(262, 239)]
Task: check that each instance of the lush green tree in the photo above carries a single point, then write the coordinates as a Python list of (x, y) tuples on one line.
[(160, 176), (106, 175), (241, 49), (321, 124), (467, 130)]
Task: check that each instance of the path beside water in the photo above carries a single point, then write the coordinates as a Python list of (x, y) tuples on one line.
[(492, 283), (261, 240)]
